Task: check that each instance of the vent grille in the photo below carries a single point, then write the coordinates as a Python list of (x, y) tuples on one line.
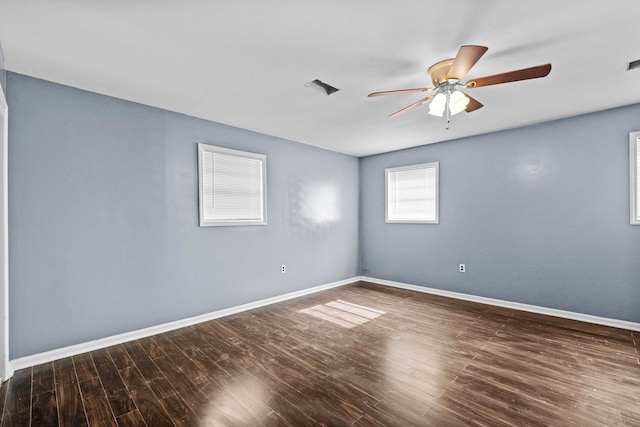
[(633, 65), (321, 87)]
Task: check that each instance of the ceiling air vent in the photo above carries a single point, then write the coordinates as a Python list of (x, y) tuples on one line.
[(633, 65), (321, 87)]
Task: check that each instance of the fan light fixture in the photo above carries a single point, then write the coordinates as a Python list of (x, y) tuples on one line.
[(456, 102), (438, 104)]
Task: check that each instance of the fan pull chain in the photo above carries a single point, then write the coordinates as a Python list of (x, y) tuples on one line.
[(446, 109)]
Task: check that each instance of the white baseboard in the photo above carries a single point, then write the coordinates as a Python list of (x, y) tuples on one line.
[(48, 356), (622, 324)]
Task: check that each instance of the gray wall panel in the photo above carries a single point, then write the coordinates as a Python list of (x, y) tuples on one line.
[(104, 234), (539, 215), (3, 71)]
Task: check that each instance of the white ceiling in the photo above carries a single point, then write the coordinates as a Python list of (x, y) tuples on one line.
[(245, 62)]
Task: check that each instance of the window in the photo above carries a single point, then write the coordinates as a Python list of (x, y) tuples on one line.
[(412, 193), (634, 156), (231, 187)]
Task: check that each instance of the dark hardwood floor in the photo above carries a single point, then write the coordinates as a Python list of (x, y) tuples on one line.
[(362, 355)]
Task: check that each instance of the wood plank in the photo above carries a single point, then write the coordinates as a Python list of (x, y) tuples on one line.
[(149, 370), (119, 356), (143, 362), (45, 409), (64, 371), (3, 398), (148, 404), (151, 347), (174, 372), (70, 406), (107, 371), (180, 412), (101, 357), (17, 419), (131, 419), (96, 404), (194, 371), (85, 369), (43, 379), (117, 394), (195, 398), (18, 398), (120, 401)]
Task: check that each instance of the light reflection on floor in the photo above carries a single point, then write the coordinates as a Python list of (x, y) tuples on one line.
[(240, 402), (343, 313), (413, 369)]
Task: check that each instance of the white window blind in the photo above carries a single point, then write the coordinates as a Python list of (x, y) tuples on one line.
[(412, 193), (634, 156), (232, 186)]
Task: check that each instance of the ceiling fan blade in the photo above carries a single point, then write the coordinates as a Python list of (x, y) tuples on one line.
[(473, 104), (512, 76), (412, 106), (466, 58), (394, 92)]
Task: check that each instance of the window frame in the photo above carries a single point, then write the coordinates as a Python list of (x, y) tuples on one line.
[(388, 171), (634, 171), (236, 153)]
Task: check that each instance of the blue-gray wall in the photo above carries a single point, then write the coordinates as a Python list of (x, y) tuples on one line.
[(539, 215), (103, 219), (3, 71)]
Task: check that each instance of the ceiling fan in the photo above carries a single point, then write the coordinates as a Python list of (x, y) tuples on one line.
[(446, 97)]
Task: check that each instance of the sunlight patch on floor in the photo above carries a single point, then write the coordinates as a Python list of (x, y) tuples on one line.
[(343, 313)]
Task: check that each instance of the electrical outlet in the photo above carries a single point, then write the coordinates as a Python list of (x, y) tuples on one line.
[(462, 268), (283, 269)]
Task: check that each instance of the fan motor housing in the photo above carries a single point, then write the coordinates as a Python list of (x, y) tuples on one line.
[(439, 71)]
